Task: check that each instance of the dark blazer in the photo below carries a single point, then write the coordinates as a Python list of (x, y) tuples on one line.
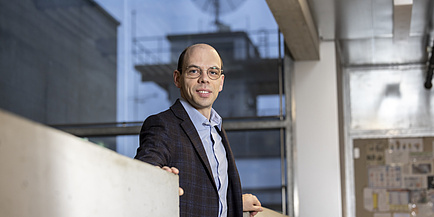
[(170, 139)]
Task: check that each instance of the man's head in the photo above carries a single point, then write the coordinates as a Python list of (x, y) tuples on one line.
[(199, 76)]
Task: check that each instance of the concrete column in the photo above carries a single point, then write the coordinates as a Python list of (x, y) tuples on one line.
[(316, 136)]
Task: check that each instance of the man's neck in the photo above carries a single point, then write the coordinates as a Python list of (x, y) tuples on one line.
[(205, 112)]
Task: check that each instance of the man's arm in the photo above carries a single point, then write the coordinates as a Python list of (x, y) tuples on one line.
[(153, 142), (153, 148), (251, 204)]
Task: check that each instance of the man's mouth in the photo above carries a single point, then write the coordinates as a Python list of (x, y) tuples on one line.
[(205, 93)]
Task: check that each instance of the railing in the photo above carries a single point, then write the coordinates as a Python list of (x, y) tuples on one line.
[(148, 50), (49, 173), (266, 213)]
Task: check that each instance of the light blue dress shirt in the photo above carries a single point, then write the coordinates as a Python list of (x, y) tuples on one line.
[(214, 149)]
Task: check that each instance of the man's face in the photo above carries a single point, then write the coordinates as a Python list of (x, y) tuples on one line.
[(200, 92)]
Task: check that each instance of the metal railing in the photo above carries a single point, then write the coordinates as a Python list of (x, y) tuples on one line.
[(148, 50)]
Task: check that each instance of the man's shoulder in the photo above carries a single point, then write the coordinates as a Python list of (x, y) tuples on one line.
[(161, 115), (164, 120), (175, 111)]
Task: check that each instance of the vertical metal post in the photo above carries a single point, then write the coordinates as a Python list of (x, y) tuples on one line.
[(133, 35), (282, 130)]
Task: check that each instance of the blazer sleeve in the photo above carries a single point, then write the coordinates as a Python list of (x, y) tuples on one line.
[(153, 147)]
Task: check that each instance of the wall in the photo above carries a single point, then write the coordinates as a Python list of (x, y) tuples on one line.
[(48, 173), (316, 135)]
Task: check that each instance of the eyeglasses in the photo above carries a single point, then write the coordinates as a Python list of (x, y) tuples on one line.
[(194, 72)]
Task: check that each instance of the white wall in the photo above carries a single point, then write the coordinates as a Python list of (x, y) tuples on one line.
[(316, 135), (48, 173)]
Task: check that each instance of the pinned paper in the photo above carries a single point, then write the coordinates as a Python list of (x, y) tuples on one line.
[(401, 214), (399, 150), (375, 199), (399, 199), (384, 176), (382, 214), (415, 182)]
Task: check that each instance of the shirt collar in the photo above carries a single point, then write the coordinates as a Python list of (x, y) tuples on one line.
[(197, 117)]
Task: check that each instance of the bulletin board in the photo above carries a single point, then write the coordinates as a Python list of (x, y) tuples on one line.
[(394, 177)]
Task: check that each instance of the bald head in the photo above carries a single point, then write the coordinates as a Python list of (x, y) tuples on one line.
[(187, 51)]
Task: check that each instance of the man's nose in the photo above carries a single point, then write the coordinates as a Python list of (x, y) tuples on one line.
[(204, 77)]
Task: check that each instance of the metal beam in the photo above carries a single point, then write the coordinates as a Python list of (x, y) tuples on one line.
[(254, 125), (135, 130), (103, 131), (297, 26)]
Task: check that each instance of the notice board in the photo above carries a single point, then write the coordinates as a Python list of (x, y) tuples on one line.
[(394, 177)]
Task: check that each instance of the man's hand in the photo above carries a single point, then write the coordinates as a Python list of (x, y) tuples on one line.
[(175, 171), (251, 204)]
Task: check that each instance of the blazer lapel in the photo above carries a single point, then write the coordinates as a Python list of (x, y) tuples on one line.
[(192, 134)]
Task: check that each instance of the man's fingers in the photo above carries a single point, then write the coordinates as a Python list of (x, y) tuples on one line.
[(166, 168), (181, 191), (257, 208), (173, 170), (258, 203)]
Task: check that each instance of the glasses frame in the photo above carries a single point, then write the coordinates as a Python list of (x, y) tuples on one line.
[(201, 71)]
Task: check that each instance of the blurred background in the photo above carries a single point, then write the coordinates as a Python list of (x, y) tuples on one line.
[(101, 67), (311, 86)]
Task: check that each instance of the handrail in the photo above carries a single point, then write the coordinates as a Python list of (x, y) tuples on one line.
[(48, 173), (265, 213)]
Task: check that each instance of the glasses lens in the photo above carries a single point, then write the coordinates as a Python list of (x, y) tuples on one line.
[(214, 73), (193, 72)]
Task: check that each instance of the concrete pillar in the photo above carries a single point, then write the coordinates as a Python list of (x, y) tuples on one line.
[(316, 135)]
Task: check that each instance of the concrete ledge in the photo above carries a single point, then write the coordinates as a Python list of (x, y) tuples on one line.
[(49, 173), (266, 213)]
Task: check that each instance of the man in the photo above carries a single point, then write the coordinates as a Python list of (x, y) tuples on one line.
[(188, 140)]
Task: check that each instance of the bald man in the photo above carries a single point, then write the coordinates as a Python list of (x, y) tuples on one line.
[(188, 139)]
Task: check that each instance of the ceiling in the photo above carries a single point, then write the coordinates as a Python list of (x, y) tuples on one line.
[(368, 32)]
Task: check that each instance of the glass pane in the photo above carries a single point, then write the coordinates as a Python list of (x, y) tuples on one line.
[(392, 98), (245, 35), (257, 154), (269, 105)]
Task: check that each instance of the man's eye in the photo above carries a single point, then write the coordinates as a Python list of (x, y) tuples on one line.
[(193, 71), (214, 72)]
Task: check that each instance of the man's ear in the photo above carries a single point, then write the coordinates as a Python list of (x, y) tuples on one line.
[(177, 78), (221, 84)]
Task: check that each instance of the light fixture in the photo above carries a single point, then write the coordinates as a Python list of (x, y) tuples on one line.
[(401, 19), (429, 72)]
